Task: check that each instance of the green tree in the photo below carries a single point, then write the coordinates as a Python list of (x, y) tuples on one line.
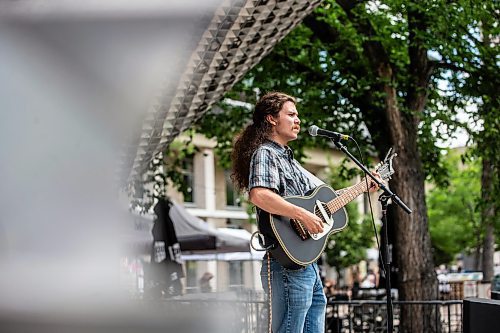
[(471, 56), (454, 217)]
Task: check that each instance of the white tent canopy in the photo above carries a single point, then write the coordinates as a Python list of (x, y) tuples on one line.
[(188, 226), (198, 239), (229, 256)]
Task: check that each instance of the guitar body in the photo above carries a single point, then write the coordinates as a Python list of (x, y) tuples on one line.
[(291, 250), (292, 245)]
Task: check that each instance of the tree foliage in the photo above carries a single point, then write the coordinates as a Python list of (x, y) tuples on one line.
[(454, 217), (166, 168), (471, 55), (470, 59)]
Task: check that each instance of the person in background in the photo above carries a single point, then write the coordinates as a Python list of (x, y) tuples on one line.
[(205, 286), (330, 285)]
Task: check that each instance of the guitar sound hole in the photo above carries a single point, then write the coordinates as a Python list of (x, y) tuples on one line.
[(325, 207), (299, 229), (317, 212)]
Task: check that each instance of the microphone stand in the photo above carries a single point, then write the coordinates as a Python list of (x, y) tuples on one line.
[(384, 198), (387, 263)]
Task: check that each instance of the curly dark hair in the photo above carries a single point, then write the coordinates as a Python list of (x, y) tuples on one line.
[(254, 135)]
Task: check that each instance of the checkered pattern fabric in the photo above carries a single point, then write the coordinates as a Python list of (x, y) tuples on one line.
[(274, 167)]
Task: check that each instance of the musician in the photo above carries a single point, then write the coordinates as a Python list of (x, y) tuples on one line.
[(264, 165)]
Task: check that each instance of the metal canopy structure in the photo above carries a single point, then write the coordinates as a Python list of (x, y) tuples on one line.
[(238, 36)]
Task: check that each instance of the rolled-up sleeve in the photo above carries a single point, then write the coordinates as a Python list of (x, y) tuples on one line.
[(264, 170)]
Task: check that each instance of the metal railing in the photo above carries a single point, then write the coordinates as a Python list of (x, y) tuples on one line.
[(249, 314), (222, 315), (371, 316)]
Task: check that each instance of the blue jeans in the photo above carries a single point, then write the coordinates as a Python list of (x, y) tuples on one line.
[(298, 299)]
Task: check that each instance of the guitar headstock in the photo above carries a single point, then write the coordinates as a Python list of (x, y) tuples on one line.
[(384, 168)]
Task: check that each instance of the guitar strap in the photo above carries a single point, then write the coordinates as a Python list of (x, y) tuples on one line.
[(270, 330)]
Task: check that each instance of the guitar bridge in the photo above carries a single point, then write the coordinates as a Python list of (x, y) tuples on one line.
[(299, 229)]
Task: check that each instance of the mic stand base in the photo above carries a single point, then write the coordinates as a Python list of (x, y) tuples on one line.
[(387, 263)]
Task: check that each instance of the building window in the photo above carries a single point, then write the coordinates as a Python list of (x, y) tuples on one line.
[(232, 196), (191, 280), (188, 176), (235, 274)]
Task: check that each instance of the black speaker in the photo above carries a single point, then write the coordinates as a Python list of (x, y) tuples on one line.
[(481, 315)]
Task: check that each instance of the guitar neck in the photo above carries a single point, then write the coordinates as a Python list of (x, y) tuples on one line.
[(347, 196)]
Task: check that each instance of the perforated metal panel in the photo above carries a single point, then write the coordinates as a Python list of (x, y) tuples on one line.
[(239, 35)]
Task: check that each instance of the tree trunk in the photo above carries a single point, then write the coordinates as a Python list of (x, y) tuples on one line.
[(477, 254), (487, 220), (416, 277), (412, 247), (488, 145)]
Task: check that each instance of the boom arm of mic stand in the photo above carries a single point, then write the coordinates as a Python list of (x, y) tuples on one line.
[(386, 190)]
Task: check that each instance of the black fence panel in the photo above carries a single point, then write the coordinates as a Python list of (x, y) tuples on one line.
[(371, 316), (250, 314)]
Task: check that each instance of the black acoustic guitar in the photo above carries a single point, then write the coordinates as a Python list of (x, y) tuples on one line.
[(294, 246)]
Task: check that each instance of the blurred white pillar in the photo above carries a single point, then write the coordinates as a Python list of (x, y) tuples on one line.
[(205, 179)]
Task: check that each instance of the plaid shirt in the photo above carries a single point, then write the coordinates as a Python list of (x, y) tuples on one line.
[(274, 167)]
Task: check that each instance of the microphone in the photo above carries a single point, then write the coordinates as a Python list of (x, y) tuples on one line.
[(315, 130)]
